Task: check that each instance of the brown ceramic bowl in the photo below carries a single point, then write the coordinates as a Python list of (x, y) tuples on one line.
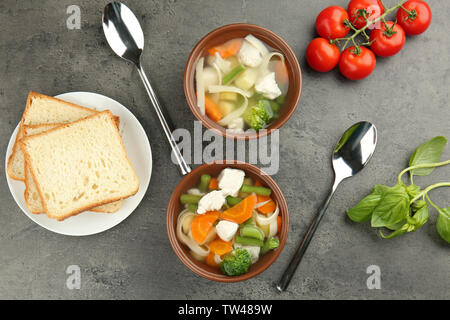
[(175, 207), (240, 30)]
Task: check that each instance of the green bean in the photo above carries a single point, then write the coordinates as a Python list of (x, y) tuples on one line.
[(190, 198), (192, 207), (233, 73), (248, 222), (232, 201), (204, 182), (248, 241), (262, 191), (254, 232)]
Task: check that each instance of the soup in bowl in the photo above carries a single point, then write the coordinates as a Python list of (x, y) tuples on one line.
[(242, 78), (227, 221)]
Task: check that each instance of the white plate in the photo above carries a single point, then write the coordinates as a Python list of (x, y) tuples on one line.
[(139, 152)]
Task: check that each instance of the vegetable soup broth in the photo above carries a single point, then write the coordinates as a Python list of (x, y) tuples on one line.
[(229, 221), (244, 83)]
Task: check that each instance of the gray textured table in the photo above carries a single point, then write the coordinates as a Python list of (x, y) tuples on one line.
[(406, 97)]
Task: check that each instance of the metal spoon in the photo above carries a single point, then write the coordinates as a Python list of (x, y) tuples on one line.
[(124, 35), (351, 154)]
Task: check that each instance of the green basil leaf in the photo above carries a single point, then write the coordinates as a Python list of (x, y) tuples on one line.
[(396, 233), (419, 218), (429, 152), (397, 225), (363, 210), (411, 224), (443, 224), (379, 189), (392, 208)]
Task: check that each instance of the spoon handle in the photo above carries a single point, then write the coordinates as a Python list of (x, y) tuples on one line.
[(184, 167), (290, 270)]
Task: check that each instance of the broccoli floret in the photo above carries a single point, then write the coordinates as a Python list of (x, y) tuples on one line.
[(237, 263), (263, 110), (270, 244), (259, 115)]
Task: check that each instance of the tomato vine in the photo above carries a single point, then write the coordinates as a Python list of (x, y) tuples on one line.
[(363, 13)]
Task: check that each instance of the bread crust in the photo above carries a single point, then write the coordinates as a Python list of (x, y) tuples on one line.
[(22, 143), (19, 136)]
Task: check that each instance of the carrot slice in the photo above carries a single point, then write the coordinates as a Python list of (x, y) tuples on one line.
[(213, 184), (269, 207), (279, 221), (221, 247), (260, 198), (281, 72), (228, 49), (258, 183), (210, 260), (240, 212), (202, 225), (212, 109)]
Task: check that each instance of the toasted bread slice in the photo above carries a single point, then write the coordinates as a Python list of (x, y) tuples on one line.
[(80, 165), (42, 109), (31, 194)]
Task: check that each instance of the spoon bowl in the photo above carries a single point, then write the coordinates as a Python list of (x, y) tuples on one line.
[(123, 31), (354, 149), (350, 155)]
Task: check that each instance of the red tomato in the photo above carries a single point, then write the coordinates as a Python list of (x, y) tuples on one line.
[(321, 55), (357, 66), (387, 41), (330, 23), (373, 8), (419, 19)]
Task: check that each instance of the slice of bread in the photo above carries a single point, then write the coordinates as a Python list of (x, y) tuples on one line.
[(80, 165), (16, 162), (31, 194), (42, 109)]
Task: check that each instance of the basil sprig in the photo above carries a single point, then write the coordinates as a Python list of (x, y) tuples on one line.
[(402, 208)]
